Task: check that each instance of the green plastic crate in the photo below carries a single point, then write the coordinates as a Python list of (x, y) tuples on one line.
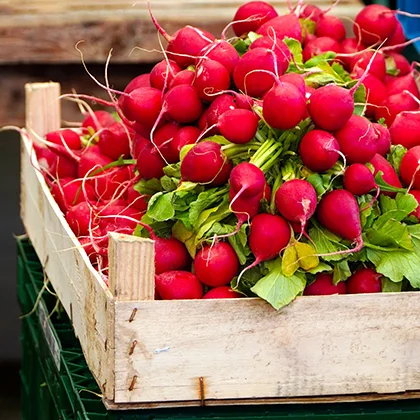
[(57, 383)]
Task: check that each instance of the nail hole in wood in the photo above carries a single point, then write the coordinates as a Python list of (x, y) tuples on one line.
[(133, 345), (133, 315), (106, 344), (201, 390), (133, 383)]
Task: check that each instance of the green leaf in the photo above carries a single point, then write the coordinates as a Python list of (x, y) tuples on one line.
[(320, 268), (308, 26), (276, 288), (360, 100), (248, 280), (160, 207), (326, 243), (317, 60), (391, 66), (168, 184), (395, 156), (389, 286), (295, 48), (390, 234), (148, 187), (384, 186), (341, 272), (339, 69), (173, 170), (253, 36)]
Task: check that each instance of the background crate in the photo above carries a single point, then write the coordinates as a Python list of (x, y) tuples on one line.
[(411, 25)]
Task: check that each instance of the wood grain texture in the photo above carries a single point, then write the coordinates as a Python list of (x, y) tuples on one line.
[(47, 31), (131, 267), (243, 349), (82, 292)]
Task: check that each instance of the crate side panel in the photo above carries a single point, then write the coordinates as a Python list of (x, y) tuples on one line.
[(317, 346)]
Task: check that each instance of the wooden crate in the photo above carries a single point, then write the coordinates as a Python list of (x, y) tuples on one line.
[(146, 353)]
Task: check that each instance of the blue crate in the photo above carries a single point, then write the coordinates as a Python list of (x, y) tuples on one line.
[(411, 25)]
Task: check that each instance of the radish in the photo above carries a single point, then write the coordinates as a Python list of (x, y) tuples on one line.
[(137, 200), (393, 105), (376, 93), (253, 73), (374, 24), (330, 26), (224, 53), (282, 27), (320, 46), (178, 284), (211, 78), (183, 104), (184, 77), (397, 38), (163, 73), (185, 135), (310, 11), (331, 107), (205, 163), (357, 139), (296, 80), (251, 16), (79, 219), (170, 254), (91, 160), (54, 165), (114, 141), (279, 47), (364, 280), (163, 138), (98, 120), (323, 285), (247, 181), (111, 182), (222, 292), (67, 138), (383, 144), (358, 179), (140, 81), (338, 211), (221, 104), (416, 195), (401, 63), (68, 192), (296, 201), (117, 218), (284, 106), (375, 61), (409, 169), (238, 125), (399, 84), (150, 163), (216, 265), (349, 46), (318, 150), (405, 129), (388, 172)]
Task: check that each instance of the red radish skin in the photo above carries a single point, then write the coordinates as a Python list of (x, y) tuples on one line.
[(79, 219), (284, 106), (239, 126), (279, 47), (349, 46), (405, 130), (183, 104), (357, 140), (296, 80), (178, 284), (114, 141), (137, 200), (150, 163), (282, 26), (318, 150), (416, 195), (400, 84), (222, 292), (110, 183), (99, 120), (90, 161), (320, 46), (402, 64), (221, 104), (211, 78), (184, 77), (358, 179), (377, 67), (388, 172), (396, 38), (54, 165), (170, 255), (383, 144), (364, 280), (247, 180), (330, 26), (311, 11), (66, 137), (323, 285), (296, 201), (140, 81), (205, 163), (68, 192), (254, 14), (163, 73), (409, 169), (224, 53), (376, 93), (202, 122), (393, 105), (374, 24), (216, 265), (185, 135), (243, 208), (163, 138)]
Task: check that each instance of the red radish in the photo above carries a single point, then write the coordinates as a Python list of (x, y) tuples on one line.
[(323, 285), (183, 104), (358, 179), (163, 73), (202, 122), (383, 143), (250, 74), (136, 200), (222, 292), (247, 180), (399, 84), (139, 142), (388, 172), (170, 254), (318, 150), (244, 101), (296, 80), (396, 38), (376, 93), (216, 265), (402, 64), (221, 104), (178, 285), (308, 38), (143, 105), (244, 208), (409, 169), (331, 107), (150, 163), (279, 47), (282, 26), (224, 53), (416, 195), (393, 105), (320, 46), (184, 77), (405, 129), (140, 81), (117, 218), (374, 24), (338, 211), (185, 135), (68, 192), (296, 201), (253, 14), (331, 26), (267, 192), (114, 141), (311, 11), (79, 219), (377, 66), (90, 161), (357, 139), (66, 137), (238, 125), (54, 165), (349, 46), (205, 163), (364, 280), (110, 183), (163, 138), (99, 119), (211, 78), (284, 106)]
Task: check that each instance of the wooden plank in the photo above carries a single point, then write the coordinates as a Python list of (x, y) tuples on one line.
[(317, 346), (82, 292), (131, 267), (57, 25)]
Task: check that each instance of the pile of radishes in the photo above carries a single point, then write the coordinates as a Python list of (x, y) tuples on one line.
[(281, 161)]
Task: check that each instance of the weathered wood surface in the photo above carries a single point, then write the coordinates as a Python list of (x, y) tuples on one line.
[(243, 349), (46, 31), (83, 294)]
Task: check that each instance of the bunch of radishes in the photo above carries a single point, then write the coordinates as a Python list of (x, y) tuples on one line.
[(268, 163)]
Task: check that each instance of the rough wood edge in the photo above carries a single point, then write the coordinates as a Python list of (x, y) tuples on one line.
[(131, 267)]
